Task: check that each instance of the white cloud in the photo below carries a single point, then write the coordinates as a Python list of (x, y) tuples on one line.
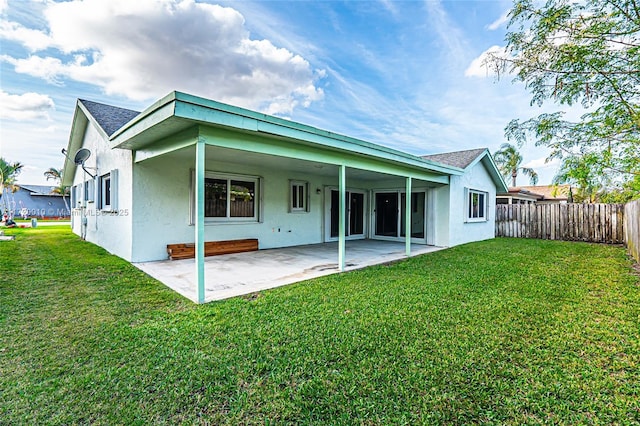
[(448, 33), (146, 48), (28, 106), (31, 39), (503, 19), (3, 6), (479, 67)]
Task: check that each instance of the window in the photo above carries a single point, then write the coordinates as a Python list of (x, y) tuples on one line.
[(298, 200), (230, 197), (105, 192), (476, 206), (89, 191), (75, 196)]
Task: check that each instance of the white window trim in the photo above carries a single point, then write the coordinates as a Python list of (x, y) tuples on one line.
[(257, 211), (293, 185), (102, 187), (89, 191), (468, 192), (112, 176)]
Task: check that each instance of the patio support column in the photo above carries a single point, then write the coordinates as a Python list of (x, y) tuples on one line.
[(407, 217), (342, 216), (199, 237)]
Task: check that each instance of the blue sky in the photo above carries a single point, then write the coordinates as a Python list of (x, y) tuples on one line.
[(403, 74)]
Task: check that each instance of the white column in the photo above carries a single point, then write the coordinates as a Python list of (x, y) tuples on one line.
[(341, 216), (407, 217), (199, 237)]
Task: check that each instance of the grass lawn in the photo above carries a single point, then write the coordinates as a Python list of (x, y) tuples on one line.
[(504, 331)]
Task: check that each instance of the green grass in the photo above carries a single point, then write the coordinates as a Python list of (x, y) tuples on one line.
[(28, 220), (504, 331)]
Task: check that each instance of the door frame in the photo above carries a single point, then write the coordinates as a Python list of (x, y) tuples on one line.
[(399, 192), (327, 213)]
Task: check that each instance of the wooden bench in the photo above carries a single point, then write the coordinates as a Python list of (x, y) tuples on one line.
[(211, 248)]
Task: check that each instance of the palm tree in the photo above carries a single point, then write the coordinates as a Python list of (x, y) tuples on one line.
[(56, 175), (508, 160), (8, 174)]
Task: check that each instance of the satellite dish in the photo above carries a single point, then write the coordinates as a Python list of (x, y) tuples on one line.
[(81, 156)]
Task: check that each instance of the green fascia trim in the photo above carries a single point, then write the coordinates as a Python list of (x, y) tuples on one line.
[(309, 152), (207, 111), (78, 128), (497, 177), (159, 104), (169, 144), (211, 112), (140, 124)]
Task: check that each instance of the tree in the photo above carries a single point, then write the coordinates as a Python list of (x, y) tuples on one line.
[(508, 160), (8, 174), (585, 53), (55, 174)]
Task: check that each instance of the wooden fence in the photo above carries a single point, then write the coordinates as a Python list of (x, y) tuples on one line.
[(632, 228), (600, 223)]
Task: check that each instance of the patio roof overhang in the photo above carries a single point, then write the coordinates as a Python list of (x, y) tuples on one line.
[(179, 121)]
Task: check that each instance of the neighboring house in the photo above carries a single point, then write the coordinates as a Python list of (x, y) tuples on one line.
[(539, 194), (34, 201), (190, 169)]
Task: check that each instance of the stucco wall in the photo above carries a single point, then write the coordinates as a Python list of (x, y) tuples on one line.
[(461, 232), (163, 192), (111, 230), (162, 202), (441, 205), (154, 201)]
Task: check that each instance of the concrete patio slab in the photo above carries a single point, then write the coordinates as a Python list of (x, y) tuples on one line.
[(245, 273)]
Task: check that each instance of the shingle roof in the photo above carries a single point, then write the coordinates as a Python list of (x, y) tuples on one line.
[(110, 118), (459, 159), (38, 189)]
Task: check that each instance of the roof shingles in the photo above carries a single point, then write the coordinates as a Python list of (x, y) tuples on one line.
[(460, 159), (110, 118)]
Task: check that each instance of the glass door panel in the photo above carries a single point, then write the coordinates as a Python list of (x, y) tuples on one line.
[(417, 215), (386, 214), (354, 214)]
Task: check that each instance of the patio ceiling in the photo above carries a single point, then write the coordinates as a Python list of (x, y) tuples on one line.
[(230, 157)]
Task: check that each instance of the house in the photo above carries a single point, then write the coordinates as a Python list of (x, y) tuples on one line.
[(190, 170), (37, 201), (539, 194)]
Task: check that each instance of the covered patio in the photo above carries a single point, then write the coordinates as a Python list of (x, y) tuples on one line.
[(245, 273)]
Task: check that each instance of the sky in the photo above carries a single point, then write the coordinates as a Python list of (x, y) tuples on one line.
[(403, 74)]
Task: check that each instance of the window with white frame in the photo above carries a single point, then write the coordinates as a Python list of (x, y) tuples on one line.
[(75, 198), (89, 191), (298, 196), (230, 197), (476, 205), (105, 191)]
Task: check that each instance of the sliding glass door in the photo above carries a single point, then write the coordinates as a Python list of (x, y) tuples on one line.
[(389, 214), (355, 208)]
